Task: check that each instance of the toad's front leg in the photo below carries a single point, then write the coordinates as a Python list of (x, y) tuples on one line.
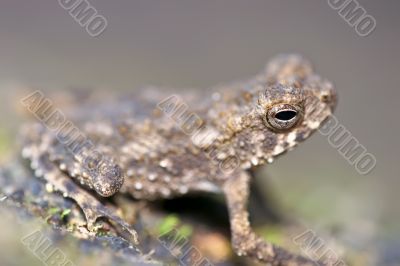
[(244, 240), (90, 206), (37, 152)]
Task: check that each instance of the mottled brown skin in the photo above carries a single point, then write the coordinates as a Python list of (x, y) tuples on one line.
[(150, 149)]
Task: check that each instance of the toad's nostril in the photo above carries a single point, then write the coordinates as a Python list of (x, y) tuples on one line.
[(329, 97), (325, 98)]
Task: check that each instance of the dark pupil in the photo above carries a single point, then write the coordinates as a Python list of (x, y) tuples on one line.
[(285, 115)]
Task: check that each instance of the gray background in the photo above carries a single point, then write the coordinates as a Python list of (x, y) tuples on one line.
[(197, 44)]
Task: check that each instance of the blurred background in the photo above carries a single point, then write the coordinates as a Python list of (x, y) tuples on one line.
[(198, 44)]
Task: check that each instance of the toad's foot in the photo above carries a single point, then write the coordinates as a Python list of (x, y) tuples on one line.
[(90, 206), (244, 240)]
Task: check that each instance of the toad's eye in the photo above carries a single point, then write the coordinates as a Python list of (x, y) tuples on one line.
[(282, 117), (285, 115)]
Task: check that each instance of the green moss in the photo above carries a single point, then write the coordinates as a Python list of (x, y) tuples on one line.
[(53, 211), (65, 213), (185, 231), (172, 222), (272, 234), (57, 211), (102, 233), (168, 223)]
